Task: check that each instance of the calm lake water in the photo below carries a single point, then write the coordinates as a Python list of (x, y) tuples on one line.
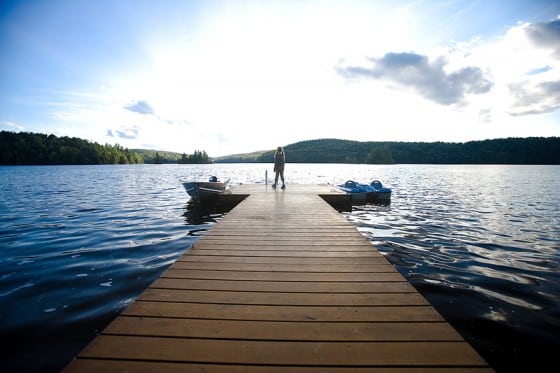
[(79, 243)]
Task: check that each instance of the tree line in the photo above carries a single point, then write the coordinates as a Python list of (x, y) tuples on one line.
[(530, 150), (198, 157), (25, 148), (165, 157), (40, 149)]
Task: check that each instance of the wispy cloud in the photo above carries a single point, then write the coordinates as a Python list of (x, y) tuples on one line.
[(427, 77), (540, 98), (13, 126), (125, 133), (140, 107), (538, 91)]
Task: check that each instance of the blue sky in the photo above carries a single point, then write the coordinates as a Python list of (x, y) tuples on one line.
[(239, 76)]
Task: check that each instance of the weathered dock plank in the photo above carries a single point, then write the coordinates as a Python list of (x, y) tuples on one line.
[(282, 283)]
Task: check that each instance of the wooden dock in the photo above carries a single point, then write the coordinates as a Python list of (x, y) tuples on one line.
[(282, 283)]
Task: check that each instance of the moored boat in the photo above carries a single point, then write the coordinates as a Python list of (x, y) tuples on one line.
[(379, 193), (204, 191), (358, 192), (366, 193)]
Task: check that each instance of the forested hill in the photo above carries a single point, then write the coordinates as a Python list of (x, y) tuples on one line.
[(40, 149), (530, 150), (25, 148)]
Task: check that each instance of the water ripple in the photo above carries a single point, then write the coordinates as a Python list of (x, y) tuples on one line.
[(481, 243), (487, 259)]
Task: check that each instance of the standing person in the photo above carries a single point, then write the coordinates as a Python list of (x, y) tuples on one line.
[(279, 160)]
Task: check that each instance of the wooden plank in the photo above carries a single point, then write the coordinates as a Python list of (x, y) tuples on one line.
[(283, 286), (274, 246), (276, 232), (424, 313), (278, 298), (115, 366), (284, 276), (294, 255), (287, 241), (278, 352), (283, 330), (270, 267), (228, 227)]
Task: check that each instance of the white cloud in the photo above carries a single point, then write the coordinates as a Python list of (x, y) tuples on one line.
[(140, 107), (125, 133), (11, 126), (545, 35), (535, 98)]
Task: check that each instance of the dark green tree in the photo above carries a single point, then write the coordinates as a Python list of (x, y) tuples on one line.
[(380, 155), (158, 159), (198, 157)]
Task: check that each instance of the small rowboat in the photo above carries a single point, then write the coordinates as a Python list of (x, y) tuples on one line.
[(204, 191)]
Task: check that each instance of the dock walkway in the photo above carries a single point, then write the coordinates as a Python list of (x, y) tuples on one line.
[(282, 283)]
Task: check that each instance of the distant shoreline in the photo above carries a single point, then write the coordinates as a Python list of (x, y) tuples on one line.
[(40, 149)]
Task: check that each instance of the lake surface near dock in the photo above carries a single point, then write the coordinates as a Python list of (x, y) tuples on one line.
[(79, 243)]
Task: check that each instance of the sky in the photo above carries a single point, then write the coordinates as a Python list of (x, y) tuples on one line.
[(231, 77)]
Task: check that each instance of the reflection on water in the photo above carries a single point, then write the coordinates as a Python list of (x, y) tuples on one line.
[(201, 213), (78, 244), (209, 211)]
